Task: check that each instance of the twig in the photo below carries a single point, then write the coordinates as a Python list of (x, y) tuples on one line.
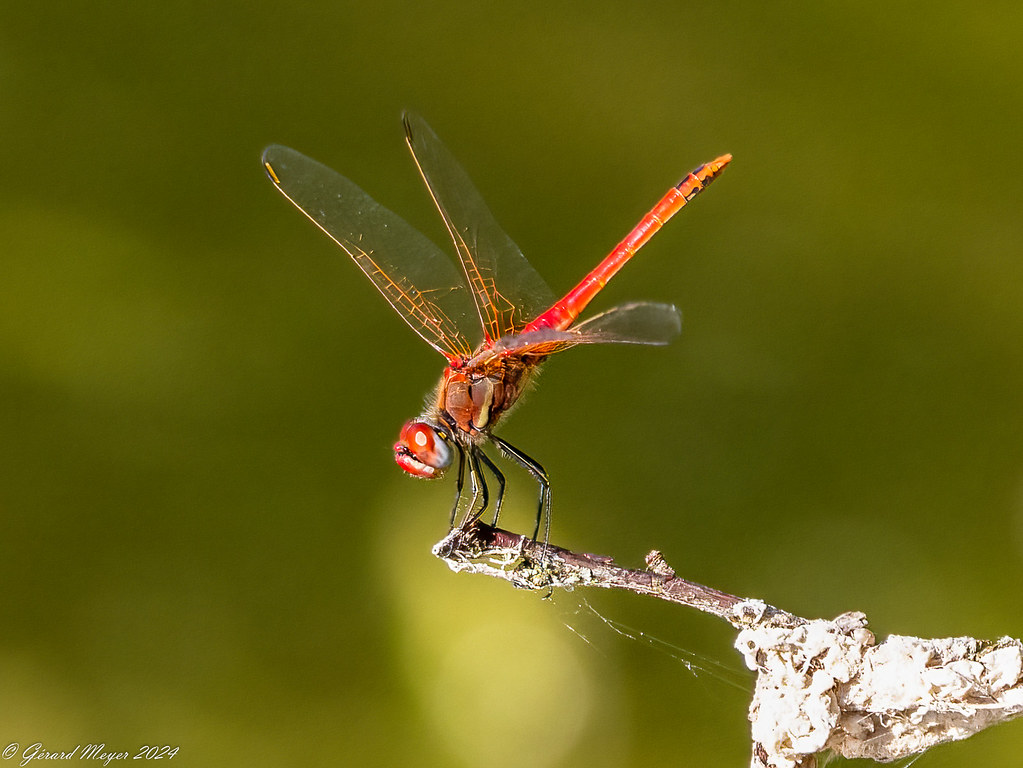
[(527, 564), (821, 685)]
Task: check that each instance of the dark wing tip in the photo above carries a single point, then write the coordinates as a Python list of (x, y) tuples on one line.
[(414, 125)]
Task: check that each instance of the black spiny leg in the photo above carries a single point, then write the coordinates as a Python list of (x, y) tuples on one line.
[(540, 475), (479, 487), (460, 482), (499, 475)]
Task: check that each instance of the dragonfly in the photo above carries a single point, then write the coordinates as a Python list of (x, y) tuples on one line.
[(490, 315)]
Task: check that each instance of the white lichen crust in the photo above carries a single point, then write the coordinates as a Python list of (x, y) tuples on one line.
[(825, 685)]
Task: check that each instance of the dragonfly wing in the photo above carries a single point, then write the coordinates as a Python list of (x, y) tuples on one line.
[(639, 322), (421, 283), (636, 323), (507, 291)]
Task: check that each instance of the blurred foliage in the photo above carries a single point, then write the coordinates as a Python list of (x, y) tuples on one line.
[(205, 540)]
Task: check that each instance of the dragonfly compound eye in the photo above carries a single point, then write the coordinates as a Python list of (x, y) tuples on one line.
[(421, 450)]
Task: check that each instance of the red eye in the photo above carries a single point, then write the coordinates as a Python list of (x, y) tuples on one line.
[(419, 437), (421, 451)]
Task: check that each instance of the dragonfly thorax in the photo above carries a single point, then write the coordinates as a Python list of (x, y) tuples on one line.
[(423, 448), (472, 399)]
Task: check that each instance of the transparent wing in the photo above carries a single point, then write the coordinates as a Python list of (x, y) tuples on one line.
[(422, 284), (639, 322), (507, 291)]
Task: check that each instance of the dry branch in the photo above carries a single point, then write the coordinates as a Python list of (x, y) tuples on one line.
[(821, 684)]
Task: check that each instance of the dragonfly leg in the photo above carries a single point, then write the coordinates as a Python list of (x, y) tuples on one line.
[(479, 488), (499, 475), (460, 483), (533, 467)]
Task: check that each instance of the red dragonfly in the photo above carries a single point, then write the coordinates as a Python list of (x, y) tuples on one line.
[(494, 319)]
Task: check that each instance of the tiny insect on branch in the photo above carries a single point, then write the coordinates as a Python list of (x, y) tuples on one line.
[(822, 685)]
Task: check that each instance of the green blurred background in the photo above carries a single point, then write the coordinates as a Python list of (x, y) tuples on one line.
[(205, 542)]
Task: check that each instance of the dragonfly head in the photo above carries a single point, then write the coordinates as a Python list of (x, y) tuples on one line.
[(423, 449)]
